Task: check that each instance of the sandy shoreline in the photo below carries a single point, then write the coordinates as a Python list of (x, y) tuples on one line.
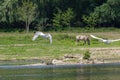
[(98, 56)]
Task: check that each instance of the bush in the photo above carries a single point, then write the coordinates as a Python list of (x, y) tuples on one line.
[(62, 19), (86, 55)]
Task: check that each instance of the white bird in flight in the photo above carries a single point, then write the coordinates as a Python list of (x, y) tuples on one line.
[(47, 36), (104, 40)]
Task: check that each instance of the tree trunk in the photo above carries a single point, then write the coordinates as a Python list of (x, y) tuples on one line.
[(27, 27)]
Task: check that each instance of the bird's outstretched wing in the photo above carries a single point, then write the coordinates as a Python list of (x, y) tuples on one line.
[(114, 40), (46, 36), (104, 40), (34, 37), (97, 38)]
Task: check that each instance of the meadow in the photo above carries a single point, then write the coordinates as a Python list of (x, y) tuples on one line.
[(19, 45)]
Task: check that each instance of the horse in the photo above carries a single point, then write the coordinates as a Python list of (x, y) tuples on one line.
[(84, 38), (46, 36)]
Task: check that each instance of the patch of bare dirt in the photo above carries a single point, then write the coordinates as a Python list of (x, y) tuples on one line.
[(98, 55)]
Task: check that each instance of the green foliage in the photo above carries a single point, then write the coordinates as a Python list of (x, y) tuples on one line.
[(108, 12), (63, 19), (41, 24), (67, 17), (27, 12), (86, 55), (115, 9), (7, 10), (57, 20), (75, 13), (91, 20)]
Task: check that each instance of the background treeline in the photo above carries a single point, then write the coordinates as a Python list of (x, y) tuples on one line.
[(58, 14)]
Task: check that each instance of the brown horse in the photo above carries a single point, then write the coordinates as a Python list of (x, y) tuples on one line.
[(84, 38)]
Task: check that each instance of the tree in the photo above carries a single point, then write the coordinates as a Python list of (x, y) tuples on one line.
[(108, 13), (41, 24), (57, 19), (68, 16), (63, 19), (7, 10), (91, 20), (27, 12)]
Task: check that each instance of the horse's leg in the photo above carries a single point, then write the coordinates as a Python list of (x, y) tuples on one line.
[(88, 41), (77, 40), (84, 42)]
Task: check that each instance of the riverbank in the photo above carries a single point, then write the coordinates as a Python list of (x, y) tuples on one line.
[(16, 47), (98, 56)]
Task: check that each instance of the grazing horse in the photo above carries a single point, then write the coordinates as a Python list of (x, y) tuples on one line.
[(46, 36), (83, 38)]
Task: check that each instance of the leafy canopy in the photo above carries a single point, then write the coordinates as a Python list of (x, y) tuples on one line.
[(27, 12)]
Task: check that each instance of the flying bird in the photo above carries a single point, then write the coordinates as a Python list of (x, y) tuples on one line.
[(107, 41), (46, 36)]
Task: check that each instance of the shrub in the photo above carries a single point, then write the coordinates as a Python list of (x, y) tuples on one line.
[(62, 19), (86, 55)]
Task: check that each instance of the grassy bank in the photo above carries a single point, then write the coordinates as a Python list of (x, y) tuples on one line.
[(19, 46)]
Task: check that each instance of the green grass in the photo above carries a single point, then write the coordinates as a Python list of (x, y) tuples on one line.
[(17, 46)]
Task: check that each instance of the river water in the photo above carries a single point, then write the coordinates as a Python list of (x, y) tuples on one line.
[(109, 71)]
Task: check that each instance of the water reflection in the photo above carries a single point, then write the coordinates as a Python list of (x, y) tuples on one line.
[(109, 71)]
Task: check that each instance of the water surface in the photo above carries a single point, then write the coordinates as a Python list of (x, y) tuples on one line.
[(109, 71)]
